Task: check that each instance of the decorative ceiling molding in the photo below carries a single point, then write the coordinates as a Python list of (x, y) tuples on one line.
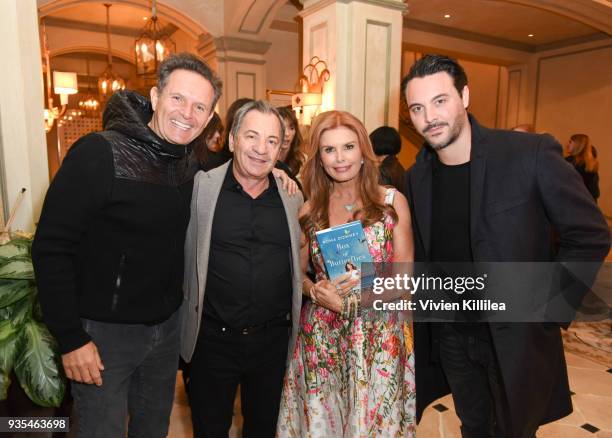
[(128, 58), (164, 12), (91, 55), (311, 6), (410, 23), (285, 26), (599, 36), (595, 13), (500, 42), (242, 45), (64, 23), (255, 16)]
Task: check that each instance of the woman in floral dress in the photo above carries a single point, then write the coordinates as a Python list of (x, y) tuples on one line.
[(350, 375)]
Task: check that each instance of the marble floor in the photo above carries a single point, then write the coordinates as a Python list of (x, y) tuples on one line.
[(590, 381)]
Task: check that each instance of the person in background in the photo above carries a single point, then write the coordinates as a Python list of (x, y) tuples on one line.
[(291, 149), (224, 155), (580, 154), (387, 144), (208, 144)]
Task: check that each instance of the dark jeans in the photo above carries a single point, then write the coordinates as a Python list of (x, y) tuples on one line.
[(222, 360), (140, 365), (473, 374)]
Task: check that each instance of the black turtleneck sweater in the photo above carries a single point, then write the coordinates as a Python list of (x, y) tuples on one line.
[(109, 244)]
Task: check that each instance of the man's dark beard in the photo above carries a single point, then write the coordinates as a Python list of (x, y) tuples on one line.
[(456, 130)]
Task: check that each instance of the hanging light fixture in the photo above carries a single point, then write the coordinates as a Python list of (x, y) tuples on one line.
[(89, 103), (109, 81), (65, 84), (152, 46)]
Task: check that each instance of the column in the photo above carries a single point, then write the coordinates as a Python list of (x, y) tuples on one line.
[(241, 65), (361, 42), (23, 150)]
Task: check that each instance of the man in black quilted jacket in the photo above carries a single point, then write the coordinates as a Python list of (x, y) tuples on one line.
[(108, 251)]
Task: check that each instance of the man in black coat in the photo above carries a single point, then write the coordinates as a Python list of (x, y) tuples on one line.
[(483, 195), (108, 251)]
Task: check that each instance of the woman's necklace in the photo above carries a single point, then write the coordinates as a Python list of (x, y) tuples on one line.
[(350, 207)]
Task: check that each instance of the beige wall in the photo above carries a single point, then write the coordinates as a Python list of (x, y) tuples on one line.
[(478, 51), (282, 60), (484, 84), (574, 95)]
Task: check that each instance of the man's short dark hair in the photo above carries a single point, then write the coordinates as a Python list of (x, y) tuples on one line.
[(189, 62), (386, 141), (432, 64)]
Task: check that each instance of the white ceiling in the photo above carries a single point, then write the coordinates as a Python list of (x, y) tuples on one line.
[(494, 19), (499, 19)]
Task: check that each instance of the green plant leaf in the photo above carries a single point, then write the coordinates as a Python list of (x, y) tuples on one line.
[(5, 382), (9, 335), (21, 311), (16, 247), (17, 268), (12, 291), (38, 366)]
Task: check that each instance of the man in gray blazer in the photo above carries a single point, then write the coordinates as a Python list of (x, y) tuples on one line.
[(243, 286)]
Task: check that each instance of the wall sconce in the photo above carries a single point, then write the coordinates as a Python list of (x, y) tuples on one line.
[(307, 102), (65, 83)]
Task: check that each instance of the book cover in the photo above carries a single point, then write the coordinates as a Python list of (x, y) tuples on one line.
[(344, 248)]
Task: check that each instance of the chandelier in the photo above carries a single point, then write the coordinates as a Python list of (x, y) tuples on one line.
[(89, 103), (109, 81), (152, 46), (69, 116), (65, 83)]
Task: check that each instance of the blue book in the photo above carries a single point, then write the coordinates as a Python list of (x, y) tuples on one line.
[(344, 248)]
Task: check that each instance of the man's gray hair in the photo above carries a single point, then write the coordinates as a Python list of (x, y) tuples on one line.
[(256, 105), (189, 62)]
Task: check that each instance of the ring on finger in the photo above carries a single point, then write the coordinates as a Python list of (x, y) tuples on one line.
[(339, 290)]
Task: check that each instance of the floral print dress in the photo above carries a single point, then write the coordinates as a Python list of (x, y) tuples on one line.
[(350, 378)]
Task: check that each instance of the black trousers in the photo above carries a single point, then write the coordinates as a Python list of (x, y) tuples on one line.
[(472, 371), (224, 359)]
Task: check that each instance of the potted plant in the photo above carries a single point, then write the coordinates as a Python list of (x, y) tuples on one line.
[(26, 346)]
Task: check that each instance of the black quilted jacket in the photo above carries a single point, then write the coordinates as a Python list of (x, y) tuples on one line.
[(109, 244)]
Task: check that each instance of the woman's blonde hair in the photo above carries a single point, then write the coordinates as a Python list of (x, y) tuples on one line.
[(317, 184), (583, 152)]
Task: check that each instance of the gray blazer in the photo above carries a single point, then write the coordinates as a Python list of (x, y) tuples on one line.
[(206, 189)]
